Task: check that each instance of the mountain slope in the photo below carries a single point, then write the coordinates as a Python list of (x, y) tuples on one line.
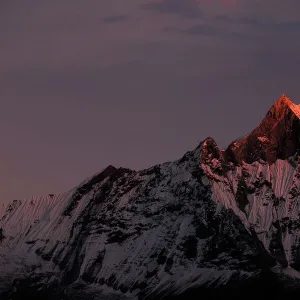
[(209, 220)]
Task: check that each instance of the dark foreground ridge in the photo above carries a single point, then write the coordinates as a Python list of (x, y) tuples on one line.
[(266, 286)]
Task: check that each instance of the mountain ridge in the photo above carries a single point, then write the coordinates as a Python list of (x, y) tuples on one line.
[(204, 223)]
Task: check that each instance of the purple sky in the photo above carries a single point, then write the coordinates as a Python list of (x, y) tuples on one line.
[(84, 84)]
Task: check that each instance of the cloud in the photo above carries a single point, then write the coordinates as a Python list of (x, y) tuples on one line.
[(240, 20), (115, 19), (212, 31), (263, 11), (186, 8), (257, 25)]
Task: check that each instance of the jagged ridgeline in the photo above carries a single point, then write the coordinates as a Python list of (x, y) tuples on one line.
[(214, 223)]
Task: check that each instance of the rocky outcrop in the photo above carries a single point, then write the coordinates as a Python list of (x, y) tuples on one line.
[(277, 137)]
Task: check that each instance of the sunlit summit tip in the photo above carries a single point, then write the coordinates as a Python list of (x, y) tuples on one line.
[(284, 98), (284, 103)]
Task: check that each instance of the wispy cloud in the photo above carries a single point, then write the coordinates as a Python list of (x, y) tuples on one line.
[(116, 18), (186, 8), (212, 31)]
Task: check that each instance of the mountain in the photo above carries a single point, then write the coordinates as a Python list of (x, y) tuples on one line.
[(211, 224)]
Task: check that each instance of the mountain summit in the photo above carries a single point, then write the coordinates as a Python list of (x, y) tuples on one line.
[(276, 137), (284, 106), (214, 223)]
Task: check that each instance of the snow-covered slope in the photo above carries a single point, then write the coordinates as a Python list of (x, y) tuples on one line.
[(211, 218)]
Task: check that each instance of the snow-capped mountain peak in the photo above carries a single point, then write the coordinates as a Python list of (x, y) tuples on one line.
[(276, 137), (283, 99), (283, 107), (213, 218)]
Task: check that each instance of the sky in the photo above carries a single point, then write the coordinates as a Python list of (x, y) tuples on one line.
[(85, 84)]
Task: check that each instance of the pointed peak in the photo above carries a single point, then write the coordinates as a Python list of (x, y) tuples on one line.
[(209, 141), (276, 137), (284, 97), (109, 168), (210, 146), (283, 100), (283, 105)]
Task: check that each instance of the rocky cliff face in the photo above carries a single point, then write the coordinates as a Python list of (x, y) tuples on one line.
[(277, 136), (205, 223)]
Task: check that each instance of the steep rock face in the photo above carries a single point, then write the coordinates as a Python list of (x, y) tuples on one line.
[(277, 137), (136, 233), (261, 181), (213, 218)]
